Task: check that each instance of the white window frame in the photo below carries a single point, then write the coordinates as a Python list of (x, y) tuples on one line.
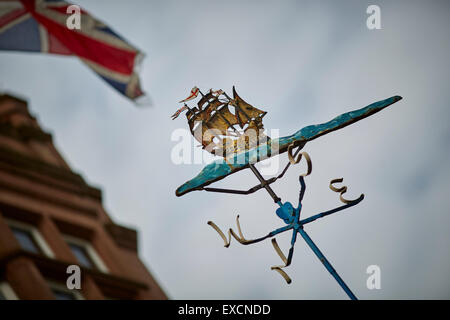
[(7, 291), (93, 255), (54, 285), (40, 241)]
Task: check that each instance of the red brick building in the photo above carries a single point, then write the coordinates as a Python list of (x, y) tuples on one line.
[(51, 219)]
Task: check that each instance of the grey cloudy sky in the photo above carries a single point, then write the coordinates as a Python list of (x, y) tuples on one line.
[(304, 62)]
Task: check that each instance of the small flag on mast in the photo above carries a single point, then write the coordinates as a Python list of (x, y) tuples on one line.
[(193, 95), (40, 26), (216, 93), (176, 114)]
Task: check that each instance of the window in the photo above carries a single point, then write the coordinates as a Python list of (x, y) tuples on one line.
[(63, 295), (29, 238), (6, 292), (85, 254), (82, 255), (60, 292), (26, 240)]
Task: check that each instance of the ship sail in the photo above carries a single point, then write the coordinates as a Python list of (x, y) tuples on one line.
[(223, 119), (212, 123), (205, 99), (244, 111), (215, 125)]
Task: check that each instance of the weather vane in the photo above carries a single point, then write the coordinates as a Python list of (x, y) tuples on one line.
[(238, 137)]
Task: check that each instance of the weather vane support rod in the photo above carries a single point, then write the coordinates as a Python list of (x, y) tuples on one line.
[(302, 232), (297, 224), (264, 183), (326, 263)]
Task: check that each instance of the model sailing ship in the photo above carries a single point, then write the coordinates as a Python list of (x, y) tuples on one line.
[(223, 131)]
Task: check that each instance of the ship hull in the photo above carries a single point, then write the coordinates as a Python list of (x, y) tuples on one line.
[(221, 168)]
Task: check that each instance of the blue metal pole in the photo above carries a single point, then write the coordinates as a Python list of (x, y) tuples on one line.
[(326, 213), (326, 263)]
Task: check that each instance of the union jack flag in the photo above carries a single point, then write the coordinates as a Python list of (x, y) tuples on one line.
[(40, 26)]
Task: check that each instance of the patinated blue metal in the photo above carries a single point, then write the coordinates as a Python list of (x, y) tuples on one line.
[(327, 264), (291, 217), (221, 168), (296, 225), (286, 211)]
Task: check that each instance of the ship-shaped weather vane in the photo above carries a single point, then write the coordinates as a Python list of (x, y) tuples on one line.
[(237, 136)]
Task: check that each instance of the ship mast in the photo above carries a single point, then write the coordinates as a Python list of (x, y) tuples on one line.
[(215, 116)]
